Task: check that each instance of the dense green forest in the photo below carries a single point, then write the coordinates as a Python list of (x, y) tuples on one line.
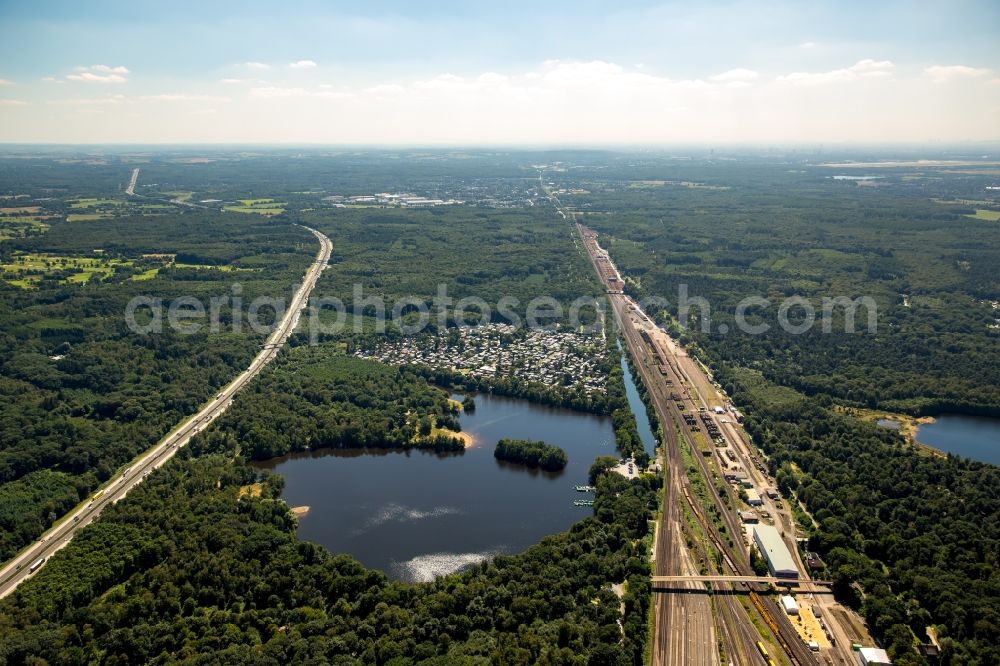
[(316, 398), (81, 393), (762, 232), (912, 539), (919, 534), (186, 570), (392, 253), (531, 454)]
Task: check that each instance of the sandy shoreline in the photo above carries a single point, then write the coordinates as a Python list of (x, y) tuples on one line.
[(466, 438)]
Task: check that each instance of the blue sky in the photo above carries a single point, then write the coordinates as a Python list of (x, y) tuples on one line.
[(503, 72)]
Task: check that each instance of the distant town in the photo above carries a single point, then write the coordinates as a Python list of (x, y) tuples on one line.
[(404, 199)]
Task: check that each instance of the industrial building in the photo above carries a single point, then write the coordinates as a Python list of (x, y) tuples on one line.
[(753, 497), (871, 656), (749, 518), (734, 475), (770, 544)]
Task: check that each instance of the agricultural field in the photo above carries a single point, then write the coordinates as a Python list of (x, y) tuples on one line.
[(20, 210), (989, 215), (86, 217), (259, 206), (94, 202)]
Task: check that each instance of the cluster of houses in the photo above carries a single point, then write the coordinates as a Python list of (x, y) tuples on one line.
[(497, 350)]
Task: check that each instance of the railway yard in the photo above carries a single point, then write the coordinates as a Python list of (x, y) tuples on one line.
[(711, 468)]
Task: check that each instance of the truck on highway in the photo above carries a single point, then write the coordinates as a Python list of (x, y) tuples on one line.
[(37, 565)]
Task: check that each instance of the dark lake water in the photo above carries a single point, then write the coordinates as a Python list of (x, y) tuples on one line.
[(416, 515), (976, 437), (639, 409)]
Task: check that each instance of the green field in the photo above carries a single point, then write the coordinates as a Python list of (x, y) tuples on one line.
[(19, 227), (259, 206), (93, 202), (145, 275), (151, 273), (988, 215), (31, 268), (86, 217)]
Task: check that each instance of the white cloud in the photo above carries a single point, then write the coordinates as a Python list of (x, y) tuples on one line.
[(52, 79), (738, 74), (182, 97), (90, 77), (6, 82), (945, 73), (104, 69), (869, 67), (270, 92), (384, 89), (232, 82), (302, 64), (100, 74), (559, 101), (91, 101), (12, 102), (863, 69), (282, 92), (256, 65), (807, 45)]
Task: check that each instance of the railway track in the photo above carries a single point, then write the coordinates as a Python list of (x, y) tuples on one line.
[(735, 626)]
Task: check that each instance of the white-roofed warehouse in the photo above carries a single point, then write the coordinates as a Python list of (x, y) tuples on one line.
[(772, 547), (869, 656)]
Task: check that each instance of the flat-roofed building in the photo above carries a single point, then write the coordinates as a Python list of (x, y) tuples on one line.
[(788, 603), (770, 544), (872, 656)]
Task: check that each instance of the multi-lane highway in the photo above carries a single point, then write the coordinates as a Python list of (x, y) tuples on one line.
[(32, 558), (130, 190)]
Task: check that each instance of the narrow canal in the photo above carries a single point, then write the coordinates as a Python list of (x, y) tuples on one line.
[(638, 408)]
